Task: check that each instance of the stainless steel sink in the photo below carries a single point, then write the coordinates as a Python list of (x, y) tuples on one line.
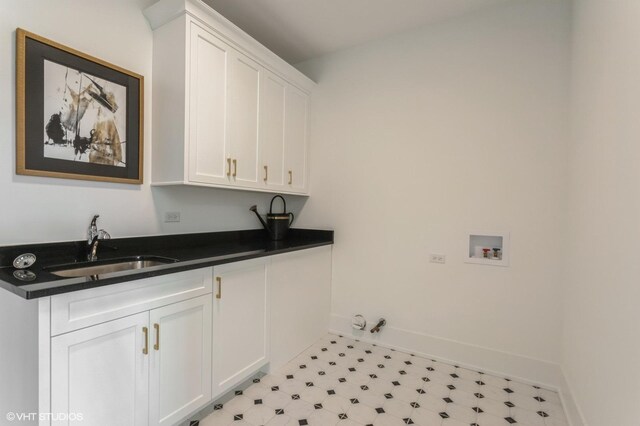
[(104, 268)]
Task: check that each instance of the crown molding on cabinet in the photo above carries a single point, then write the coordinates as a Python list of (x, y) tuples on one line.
[(165, 11)]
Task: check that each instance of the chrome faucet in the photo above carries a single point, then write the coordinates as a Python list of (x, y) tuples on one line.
[(93, 238)]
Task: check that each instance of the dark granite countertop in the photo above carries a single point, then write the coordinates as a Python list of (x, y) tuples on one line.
[(186, 251)]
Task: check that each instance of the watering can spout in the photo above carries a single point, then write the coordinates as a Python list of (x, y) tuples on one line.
[(264, 224)]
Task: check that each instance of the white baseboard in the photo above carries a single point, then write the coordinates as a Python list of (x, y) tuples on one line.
[(545, 374)]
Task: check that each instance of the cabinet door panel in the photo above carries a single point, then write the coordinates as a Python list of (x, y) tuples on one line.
[(244, 84), (300, 293), (240, 322), (295, 139), (272, 95), (180, 377), (208, 108), (101, 373)]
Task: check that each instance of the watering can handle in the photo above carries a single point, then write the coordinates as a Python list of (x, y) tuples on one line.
[(283, 202)]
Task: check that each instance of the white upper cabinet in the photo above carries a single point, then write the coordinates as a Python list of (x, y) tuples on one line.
[(295, 136), (208, 110), (272, 96), (244, 98), (227, 112)]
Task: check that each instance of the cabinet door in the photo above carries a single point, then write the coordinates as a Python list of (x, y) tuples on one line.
[(208, 104), (295, 139), (244, 86), (240, 321), (180, 369), (101, 373), (272, 95), (300, 293)]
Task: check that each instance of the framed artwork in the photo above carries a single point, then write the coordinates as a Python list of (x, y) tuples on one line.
[(78, 117)]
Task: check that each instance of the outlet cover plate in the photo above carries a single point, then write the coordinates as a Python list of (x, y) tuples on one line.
[(171, 217)]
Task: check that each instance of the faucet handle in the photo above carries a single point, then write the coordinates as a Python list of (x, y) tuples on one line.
[(103, 235)]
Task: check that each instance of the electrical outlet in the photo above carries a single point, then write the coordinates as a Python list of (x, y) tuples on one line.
[(172, 217), (437, 258)]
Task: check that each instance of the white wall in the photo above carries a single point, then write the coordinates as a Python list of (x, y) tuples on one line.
[(420, 137), (601, 346)]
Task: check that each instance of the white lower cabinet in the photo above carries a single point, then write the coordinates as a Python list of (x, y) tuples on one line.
[(240, 322), (101, 374), (155, 351), (300, 299), (180, 360), (152, 368)]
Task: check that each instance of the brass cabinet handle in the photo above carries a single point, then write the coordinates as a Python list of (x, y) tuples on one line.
[(157, 345), (290, 177), (145, 350), (219, 293), (266, 173), (228, 166), (235, 167)]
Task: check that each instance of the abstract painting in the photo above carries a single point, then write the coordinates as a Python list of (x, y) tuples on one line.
[(78, 117)]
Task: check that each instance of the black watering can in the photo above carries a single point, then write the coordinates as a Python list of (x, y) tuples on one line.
[(277, 224)]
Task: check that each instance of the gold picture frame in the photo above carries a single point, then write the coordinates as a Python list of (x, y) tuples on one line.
[(95, 129)]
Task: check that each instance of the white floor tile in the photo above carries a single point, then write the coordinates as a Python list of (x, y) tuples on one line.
[(397, 408), (322, 418), (362, 414), (388, 420), (259, 415)]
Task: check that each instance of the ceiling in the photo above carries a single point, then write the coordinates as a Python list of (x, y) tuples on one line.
[(297, 30)]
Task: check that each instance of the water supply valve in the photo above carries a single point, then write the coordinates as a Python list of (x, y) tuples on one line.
[(381, 323)]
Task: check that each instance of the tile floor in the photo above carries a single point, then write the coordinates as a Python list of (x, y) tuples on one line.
[(339, 381)]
